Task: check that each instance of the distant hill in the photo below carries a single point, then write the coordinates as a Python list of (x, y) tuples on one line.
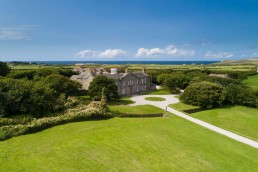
[(253, 61)]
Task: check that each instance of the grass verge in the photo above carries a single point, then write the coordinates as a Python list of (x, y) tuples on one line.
[(238, 119)]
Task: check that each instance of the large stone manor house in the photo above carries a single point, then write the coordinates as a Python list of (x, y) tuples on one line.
[(127, 83)]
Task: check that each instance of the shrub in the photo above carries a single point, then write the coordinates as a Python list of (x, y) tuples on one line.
[(30, 74), (238, 94), (204, 94)]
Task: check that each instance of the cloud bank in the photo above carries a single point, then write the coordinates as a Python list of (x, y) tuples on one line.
[(15, 33), (169, 51), (218, 55), (109, 53)]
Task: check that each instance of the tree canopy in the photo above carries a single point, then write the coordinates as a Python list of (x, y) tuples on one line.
[(4, 69), (98, 83), (204, 94)]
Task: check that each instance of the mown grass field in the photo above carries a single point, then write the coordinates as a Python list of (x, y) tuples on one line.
[(252, 81), (127, 144), (238, 119), (141, 109)]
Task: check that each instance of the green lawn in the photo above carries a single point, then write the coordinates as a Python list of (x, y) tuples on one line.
[(141, 109), (252, 81), (127, 144), (238, 119), (155, 99), (122, 101), (158, 92)]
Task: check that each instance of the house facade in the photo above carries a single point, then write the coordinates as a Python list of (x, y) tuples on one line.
[(127, 83)]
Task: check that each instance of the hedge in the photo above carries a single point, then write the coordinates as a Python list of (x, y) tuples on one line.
[(36, 125)]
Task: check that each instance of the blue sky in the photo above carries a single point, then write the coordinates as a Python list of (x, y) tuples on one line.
[(128, 29)]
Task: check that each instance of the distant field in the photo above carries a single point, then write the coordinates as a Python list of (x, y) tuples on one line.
[(238, 119), (195, 67), (127, 144), (27, 67), (138, 67), (252, 81)]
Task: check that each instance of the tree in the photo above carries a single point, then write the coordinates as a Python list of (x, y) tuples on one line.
[(4, 69), (204, 94), (44, 100), (239, 94), (96, 86), (61, 84)]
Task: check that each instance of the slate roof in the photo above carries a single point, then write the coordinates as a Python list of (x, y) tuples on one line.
[(114, 76), (121, 75), (140, 74)]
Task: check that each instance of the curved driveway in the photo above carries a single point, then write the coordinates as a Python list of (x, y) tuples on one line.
[(171, 99), (140, 100)]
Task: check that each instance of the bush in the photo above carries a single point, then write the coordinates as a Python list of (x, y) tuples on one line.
[(204, 94), (30, 74), (238, 94)]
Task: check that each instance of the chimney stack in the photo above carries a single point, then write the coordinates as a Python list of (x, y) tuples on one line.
[(126, 70), (143, 70)]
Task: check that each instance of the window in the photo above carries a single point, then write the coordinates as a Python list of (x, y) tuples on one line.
[(123, 83), (137, 81), (145, 87), (123, 91), (128, 82), (142, 87), (142, 80), (145, 80), (137, 88), (132, 82)]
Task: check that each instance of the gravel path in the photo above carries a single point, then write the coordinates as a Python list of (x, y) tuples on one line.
[(171, 99)]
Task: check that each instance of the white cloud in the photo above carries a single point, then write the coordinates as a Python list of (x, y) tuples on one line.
[(219, 55), (15, 33), (169, 51), (109, 53), (87, 53)]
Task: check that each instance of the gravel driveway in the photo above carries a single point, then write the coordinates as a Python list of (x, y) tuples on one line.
[(140, 100)]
